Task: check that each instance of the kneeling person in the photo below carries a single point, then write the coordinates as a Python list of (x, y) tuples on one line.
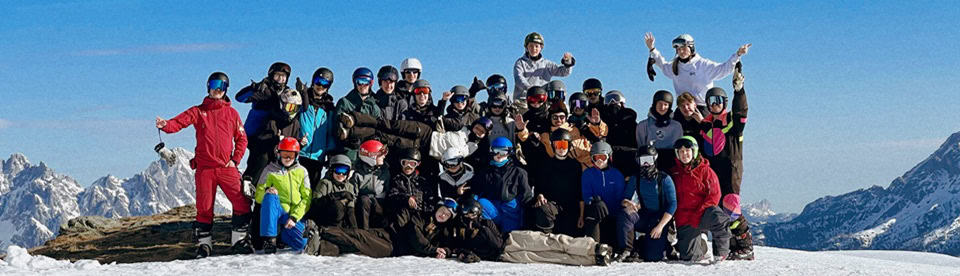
[(284, 193)]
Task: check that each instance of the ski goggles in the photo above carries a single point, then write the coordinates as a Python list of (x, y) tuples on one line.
[(498, 103), (217, 85), (500, 151), (715, 100), (559, 117), (646, 160), (321, 81), (458, 98), (593, 92), (535, 99), (450, 163), (363, 80), (498, 87), (582, 104), (558, 95), (733, 215), (341, 169), (450, 203), (408, 163), (561, 145), (421, 90), (684, 143), (679, 42), (411, 71), (599, 157)]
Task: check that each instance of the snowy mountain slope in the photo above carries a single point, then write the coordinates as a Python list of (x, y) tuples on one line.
[(918, 211), (35, 200), (771, 261)]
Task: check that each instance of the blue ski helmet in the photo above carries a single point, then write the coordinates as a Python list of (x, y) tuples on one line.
[(501, 143)]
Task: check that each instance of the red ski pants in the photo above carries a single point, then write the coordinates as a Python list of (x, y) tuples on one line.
[(229, 181)]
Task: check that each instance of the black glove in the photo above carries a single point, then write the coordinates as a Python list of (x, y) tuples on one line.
[(569, 63), (598, 208), (650, 72), (468, 256), (477, 86), (718, 124), (300, 86)]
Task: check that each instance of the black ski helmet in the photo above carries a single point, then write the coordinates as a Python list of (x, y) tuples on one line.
[(219, 76), (485, 122), (663, 95), (410, 154), (716, 91), (560, 135), (536, 90), (592, 83), (495, 79), (579, 96), (278, 67), (615, 96), (324, 73), (388, 72), (469, 205)]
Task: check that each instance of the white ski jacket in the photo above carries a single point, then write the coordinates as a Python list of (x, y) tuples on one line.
[(695, 76)]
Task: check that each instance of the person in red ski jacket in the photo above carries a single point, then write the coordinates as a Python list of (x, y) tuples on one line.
[(221, 142), (698, 197)]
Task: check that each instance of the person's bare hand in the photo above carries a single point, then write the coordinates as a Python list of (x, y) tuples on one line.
[(161, 123), (272, 190), (744, 49), (541, 200), (697, 116), (412, 202), (649, 40), (441, 253), (462, 189), (656, 232), (519, 122), (447, 95), (594, 116), (290, 224), (567, 56), (231, 164)]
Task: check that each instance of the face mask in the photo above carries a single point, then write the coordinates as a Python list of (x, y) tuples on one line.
[(500, 163)]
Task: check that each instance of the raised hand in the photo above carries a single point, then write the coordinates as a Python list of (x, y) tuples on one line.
[(447, 95), (649, 40), (519, 122), (594, 116), (567, 56), (744, 49), (161, 123)]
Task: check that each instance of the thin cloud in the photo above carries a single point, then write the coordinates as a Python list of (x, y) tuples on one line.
[(5, 123), (158, 49)]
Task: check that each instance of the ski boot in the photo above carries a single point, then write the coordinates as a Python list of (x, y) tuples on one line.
[(743, 254), (241, 242), (204, 242), (312, 233), (270, 245), (604, 254)]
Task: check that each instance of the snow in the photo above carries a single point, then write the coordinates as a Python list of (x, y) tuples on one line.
[(772, 261), (866, 236)]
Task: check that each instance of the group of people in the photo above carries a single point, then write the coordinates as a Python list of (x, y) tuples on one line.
[(535, 176)]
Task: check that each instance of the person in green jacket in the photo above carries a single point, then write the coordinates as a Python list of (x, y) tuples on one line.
[(284, 194), (335, 196)]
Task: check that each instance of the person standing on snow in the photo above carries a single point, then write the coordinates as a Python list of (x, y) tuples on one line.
[(317, 124), (360, 100), (284, 194), (689, 71), (532, 69), (698, 197), (660, 129), (221, 142)]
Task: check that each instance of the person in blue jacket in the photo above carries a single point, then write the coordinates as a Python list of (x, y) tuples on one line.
[(650, 213), (602, 186), (316, 124)]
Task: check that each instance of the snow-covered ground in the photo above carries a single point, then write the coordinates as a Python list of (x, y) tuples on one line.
[(772, 261)]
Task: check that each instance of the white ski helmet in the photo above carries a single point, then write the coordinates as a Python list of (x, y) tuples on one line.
[(411, 63)]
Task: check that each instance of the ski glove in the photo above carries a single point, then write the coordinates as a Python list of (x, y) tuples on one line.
[(477, 86), (650, 72), (344, 195)]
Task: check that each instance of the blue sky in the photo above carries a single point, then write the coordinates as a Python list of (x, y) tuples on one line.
[(843, 96)]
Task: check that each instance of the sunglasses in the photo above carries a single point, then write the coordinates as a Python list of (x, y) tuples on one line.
[(715, 100), (593, 92), (321, 82), (458, 98), (560, 145), (559, 117), (498, 103), (599, 157), (421, 90), (533, 99), (646, 160), (341, 169), (411, 71), (217, 85), (363, 80), (450, 163)]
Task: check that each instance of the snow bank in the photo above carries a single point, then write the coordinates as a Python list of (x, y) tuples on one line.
[(772, 261)]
